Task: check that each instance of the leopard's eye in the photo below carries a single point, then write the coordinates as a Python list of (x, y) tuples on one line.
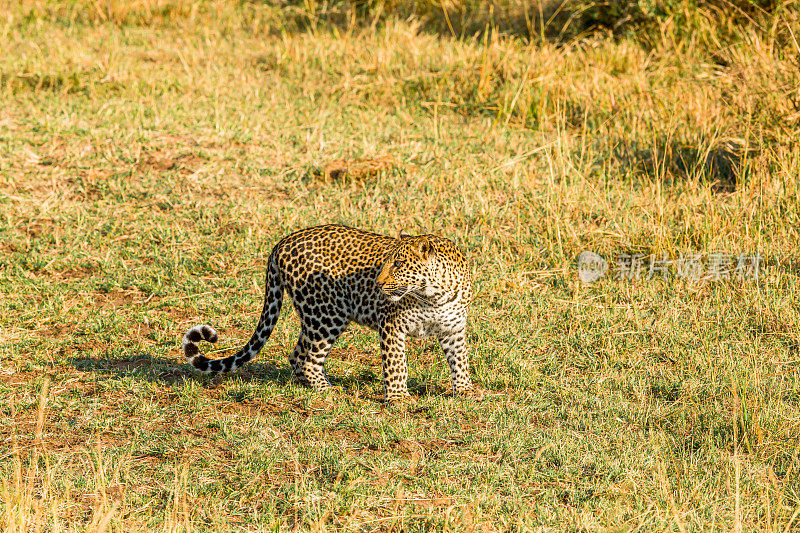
[(399, 263)]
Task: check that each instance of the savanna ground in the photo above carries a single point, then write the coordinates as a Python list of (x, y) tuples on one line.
[(152, 152)]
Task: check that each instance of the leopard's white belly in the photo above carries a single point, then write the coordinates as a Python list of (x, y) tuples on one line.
[(435, 322), (421, 330)]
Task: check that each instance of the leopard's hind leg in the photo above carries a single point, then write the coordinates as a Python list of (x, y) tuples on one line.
[(308, 357), (297, 355)]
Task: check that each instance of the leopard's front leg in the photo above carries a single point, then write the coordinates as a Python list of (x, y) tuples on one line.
[(455, 351), (393, 358)]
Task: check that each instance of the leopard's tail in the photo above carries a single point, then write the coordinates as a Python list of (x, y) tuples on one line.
[(273, 299)]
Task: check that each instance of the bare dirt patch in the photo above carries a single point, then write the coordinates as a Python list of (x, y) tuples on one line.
[(18, 378), (166, 160), (119, 298), (55, 331), (357, 169), (77, 273), (38, 227), (175, 312), (9, 248)]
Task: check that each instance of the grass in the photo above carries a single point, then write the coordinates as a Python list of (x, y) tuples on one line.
[(152, 153)]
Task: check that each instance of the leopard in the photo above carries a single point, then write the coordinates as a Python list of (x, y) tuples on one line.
[(407, 286)]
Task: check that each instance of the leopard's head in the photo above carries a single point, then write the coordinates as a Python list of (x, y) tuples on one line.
[(406, 270)]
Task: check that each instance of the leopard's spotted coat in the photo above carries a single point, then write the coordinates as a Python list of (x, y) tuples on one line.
[(418, 286)]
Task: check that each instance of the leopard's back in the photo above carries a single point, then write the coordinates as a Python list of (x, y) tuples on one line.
[(333, 249)]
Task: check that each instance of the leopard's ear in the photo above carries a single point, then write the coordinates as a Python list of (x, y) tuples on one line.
[(403, 233), (424, 248)]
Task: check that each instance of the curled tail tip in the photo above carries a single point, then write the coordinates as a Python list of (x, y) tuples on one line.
[(199, 333), (192, 352), (196, 334)]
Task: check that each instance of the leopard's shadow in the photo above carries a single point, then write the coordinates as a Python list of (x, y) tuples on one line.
[(355, 381), (155, 369)]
